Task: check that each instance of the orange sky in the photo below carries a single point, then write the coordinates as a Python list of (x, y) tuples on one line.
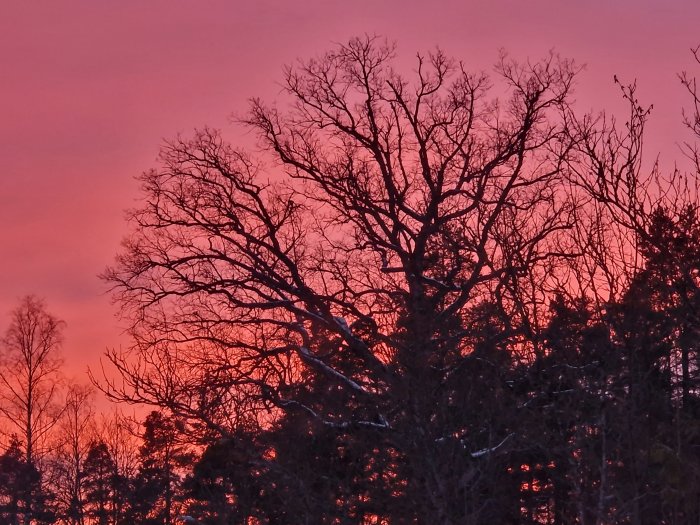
[(88, 89)]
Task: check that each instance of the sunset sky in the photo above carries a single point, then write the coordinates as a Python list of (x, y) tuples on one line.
[(89, 89)]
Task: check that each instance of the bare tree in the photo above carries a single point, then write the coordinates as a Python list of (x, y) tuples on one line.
[(355, 252), (692, 119), (75, 433), (29, 374), (120, 435), (30, 380)]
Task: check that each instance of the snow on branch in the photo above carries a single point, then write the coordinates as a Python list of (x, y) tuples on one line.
[(490, 450), (382, 424), (309, 357)]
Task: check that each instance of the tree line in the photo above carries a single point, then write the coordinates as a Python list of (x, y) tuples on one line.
[(440, 298), (61, 461)]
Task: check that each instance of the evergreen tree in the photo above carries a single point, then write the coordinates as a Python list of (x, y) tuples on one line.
[(21, 491), (156, 496), (99, 477)]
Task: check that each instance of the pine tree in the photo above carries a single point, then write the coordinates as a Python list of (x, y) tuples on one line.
[(99, 476), (21, 491), (163, 457)]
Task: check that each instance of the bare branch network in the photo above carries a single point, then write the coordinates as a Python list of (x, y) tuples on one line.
[(391, 266)]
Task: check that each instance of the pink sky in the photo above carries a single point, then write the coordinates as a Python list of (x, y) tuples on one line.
[(88, 89)]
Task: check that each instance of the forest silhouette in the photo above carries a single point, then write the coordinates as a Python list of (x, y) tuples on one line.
[(435, 297)]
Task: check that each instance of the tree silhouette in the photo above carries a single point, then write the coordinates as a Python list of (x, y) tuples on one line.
[(99, 481), (156, 485), (29, 381), (398, 206), (75, 431), (656, 324), (417, 303), (15, 479), (22, 496)]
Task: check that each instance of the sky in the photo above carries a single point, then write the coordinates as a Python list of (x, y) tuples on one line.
[(90, 89)]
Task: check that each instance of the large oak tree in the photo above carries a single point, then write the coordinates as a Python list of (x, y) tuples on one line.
[(377, 277)]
